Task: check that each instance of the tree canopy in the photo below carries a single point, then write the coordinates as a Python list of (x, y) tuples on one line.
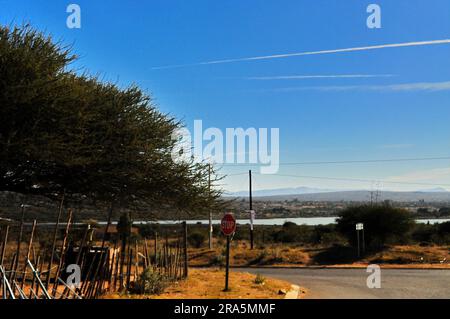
[(382, 224), (65, 132)]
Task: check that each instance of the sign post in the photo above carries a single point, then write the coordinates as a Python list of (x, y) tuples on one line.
[(228, 227), (360, 227), (252, 219)]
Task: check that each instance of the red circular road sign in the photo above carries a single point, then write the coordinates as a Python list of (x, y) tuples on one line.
[(228, 224)]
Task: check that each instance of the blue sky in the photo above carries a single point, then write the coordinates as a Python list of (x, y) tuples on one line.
[(403, 115)]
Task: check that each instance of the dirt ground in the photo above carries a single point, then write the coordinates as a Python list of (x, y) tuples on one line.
[(209, 284)]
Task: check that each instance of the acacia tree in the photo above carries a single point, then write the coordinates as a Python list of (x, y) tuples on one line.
[(64, 132), (382, 224)]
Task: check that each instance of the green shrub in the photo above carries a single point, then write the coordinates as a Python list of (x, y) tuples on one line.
[(260, 258), (196, 239), (444, 228), (150, 282), (382, 224), (259, 279), (218, 260)]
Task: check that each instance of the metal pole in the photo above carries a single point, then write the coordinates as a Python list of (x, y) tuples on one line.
[(210, 212), (363, 242), (227, 270), (251, 206), (357, 235)]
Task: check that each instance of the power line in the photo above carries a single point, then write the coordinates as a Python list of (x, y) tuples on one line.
[(355, 179), (238, 174), (343, 179), (416, 159)]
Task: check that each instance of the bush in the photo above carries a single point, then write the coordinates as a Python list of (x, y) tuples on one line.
[(288, 234), (259, 279), (423, 233), (382, 225), (196, 239), (292, 233), (218, 260), (427, 234), (332, 238), (444, 228), (260, 258), (150, 282)]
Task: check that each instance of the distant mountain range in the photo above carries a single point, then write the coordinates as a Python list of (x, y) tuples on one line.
[(434, 190), (315, 194), (281, 191)]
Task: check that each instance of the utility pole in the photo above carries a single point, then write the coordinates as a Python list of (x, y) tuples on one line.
[(251, 206), (210, 212)]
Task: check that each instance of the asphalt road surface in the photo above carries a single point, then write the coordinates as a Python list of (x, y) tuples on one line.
[(352, 283)]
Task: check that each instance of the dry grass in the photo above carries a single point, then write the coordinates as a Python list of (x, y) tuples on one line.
[(241, 256), (407, 256), (413, 254), (209, 284)]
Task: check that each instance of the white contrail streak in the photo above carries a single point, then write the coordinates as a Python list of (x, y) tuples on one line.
[(304, 77), (288, 55), (405, 87)]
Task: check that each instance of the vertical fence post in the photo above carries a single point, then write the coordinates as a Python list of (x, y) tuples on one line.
[(5, 242), (55, 237), (185, 252)]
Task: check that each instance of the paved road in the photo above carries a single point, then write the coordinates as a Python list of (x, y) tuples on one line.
[(351, 283)]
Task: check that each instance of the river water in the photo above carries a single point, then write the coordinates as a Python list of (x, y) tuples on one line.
[(311, 221)]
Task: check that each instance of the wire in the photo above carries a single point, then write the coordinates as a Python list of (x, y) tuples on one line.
[(238, 174), (350, 161), (415, 159), (354, 179)]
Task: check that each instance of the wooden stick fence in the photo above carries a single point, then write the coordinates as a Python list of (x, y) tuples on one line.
[(117, 266)]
